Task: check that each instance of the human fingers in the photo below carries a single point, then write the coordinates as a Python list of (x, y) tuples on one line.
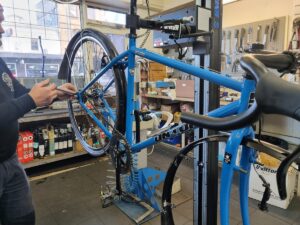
[(44, 83)]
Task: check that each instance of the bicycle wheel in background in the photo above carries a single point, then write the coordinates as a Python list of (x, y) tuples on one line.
[(87, 53)]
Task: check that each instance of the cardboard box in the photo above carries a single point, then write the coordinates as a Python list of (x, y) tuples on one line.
[(30, 145), (256, 189), (156, 71), (25, 147), (185, 89), (20, 152)]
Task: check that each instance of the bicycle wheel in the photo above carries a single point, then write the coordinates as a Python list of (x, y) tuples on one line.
[(87, 53)]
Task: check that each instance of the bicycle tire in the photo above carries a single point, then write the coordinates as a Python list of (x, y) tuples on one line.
[(84, 37)]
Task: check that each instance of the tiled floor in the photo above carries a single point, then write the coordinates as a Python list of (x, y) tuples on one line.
[(72, 198)]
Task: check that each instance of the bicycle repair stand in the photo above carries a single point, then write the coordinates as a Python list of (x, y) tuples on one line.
[(143, 182), (207, 99)]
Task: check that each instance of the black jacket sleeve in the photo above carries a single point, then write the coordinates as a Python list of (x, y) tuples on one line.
[(13, 109), (19, 89)]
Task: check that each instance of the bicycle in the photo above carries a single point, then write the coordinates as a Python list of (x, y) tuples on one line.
[(108, 99)]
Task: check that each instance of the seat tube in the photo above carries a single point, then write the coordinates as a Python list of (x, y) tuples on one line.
[(130, 90)]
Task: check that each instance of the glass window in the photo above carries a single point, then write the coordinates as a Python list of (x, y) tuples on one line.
[(118, 41), (26, 21), (106, 16), (37, 18), (22, 16), (64, 34), (9, 29), (51, 20), (52, 34), (9, 14), (23, 31), (73, 11), (36, 5), (8, 3), (34, 44), (21, 4), (13, 68), (37, 31), (50, 7)]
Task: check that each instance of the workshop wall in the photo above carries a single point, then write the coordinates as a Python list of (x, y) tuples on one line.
[(249, 11)]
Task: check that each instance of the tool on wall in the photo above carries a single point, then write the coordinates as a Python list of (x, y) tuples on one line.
[(235, 40), (265, 38), (228, 43), (228, 48), (242, 36), (249, 36), (223, 48), (258, 34), (274, 29), (295, 41)]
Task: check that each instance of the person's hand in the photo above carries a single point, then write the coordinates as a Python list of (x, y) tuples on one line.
[(68, 87), (43, 93)]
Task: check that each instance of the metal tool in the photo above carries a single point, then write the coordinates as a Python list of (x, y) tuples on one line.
[(249, 36), (236, 37), (228, 43), (274, 29), (265, 38), (223, 41), (66, 92), (258, 34), (242, 36)]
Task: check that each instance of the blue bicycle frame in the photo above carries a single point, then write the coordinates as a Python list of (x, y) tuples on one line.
[(229, 166)]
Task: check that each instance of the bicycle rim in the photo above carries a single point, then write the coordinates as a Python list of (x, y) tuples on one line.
[(106, 98)]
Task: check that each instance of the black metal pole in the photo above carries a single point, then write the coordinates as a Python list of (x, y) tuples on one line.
[(133, 12), (214, 102)]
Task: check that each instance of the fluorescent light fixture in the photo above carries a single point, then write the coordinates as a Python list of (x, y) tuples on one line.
[(229, 1)]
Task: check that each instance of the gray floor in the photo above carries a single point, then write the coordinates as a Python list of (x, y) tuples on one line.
[(72, 198)]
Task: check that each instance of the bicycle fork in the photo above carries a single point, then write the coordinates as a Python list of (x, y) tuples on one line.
[(229, 167)]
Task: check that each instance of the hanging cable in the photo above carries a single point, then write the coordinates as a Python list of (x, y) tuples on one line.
[(148, 32)]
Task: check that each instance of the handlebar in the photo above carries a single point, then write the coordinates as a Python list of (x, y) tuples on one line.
[(273, 95)]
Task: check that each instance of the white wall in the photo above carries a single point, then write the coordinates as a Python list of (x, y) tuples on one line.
[(248, 11)]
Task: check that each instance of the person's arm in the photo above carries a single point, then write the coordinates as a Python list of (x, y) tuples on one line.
[(19, 88), (13, 109)]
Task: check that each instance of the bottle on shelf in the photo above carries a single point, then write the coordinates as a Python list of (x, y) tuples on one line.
[(94, 135), (70, 137), (56, 141), (36, 143), (60, 141), (46, 140), (65, 138), (51, 136), (41, 154)]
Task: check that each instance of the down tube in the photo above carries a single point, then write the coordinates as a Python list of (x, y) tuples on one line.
[(196, 71)]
